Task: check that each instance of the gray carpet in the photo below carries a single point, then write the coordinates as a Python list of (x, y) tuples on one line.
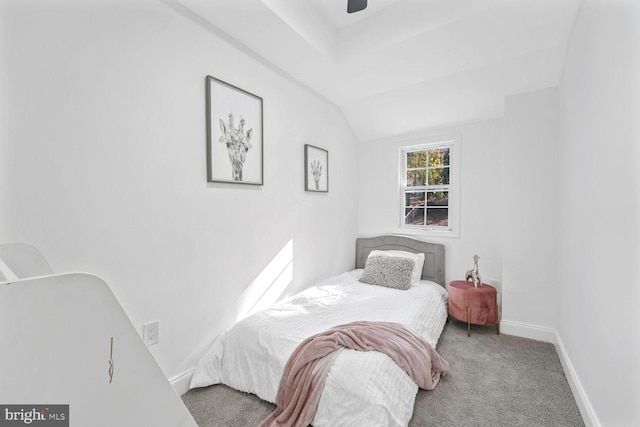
[(494, 380)]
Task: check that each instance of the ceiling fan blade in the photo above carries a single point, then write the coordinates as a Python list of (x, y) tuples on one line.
[(356, 5)]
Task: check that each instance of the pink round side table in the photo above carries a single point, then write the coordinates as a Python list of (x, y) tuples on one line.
[(477, 306)]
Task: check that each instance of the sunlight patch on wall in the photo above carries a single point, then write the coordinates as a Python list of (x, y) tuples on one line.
[(269, 285)]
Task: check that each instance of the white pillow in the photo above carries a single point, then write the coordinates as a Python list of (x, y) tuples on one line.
[(418, 260)]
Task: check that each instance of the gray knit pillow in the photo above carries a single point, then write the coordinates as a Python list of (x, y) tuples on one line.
[(392, 272)]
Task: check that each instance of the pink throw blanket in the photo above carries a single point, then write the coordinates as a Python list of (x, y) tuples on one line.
[(306, 370)]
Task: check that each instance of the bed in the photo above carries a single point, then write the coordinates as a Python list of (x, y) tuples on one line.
[(362, 388)]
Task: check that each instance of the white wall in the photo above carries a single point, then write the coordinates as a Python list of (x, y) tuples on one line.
[(530, 208), (480, 210), (600, 228), (509, 169), (104, 138)]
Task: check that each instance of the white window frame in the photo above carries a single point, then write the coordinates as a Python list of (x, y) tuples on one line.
[(453, 227)]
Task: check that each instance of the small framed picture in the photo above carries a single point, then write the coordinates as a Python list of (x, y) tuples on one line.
[(234, 134), (316, 169)]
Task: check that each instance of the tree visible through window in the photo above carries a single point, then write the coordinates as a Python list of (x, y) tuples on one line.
[(426, 187)]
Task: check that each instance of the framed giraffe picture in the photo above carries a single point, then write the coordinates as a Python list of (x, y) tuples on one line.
[(234, 134), (316, 169)]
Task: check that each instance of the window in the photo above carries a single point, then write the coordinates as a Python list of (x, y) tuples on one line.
[(428, 195)]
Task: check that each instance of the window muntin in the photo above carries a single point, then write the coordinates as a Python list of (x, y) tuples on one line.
[(426, 187)]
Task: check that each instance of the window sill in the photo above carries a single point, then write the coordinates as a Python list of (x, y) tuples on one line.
[(427, 232)]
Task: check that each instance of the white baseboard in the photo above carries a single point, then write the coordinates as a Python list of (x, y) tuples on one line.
[(550, 335), (584, 404), (538, 333), (181, 382)]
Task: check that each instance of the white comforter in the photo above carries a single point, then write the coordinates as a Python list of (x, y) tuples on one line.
[(362, 388)]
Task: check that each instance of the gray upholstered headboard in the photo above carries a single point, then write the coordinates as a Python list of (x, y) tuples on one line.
[(434, 265)]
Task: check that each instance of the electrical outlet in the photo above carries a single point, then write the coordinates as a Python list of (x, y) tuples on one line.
[(151, 332)]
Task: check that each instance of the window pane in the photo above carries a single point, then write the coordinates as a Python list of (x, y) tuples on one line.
[(438, 198), (426, 186), (439, 176), (416, 159), (414, 198), (438, 217), (416, 177), (414, 216), (439, 157)]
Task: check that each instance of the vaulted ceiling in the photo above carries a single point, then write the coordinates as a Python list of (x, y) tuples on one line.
[(401, 66)]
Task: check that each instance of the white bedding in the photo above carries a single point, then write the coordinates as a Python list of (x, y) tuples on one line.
[(362, 388)]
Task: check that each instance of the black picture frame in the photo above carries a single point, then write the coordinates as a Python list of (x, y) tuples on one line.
[(235, 149), (316, 169)]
